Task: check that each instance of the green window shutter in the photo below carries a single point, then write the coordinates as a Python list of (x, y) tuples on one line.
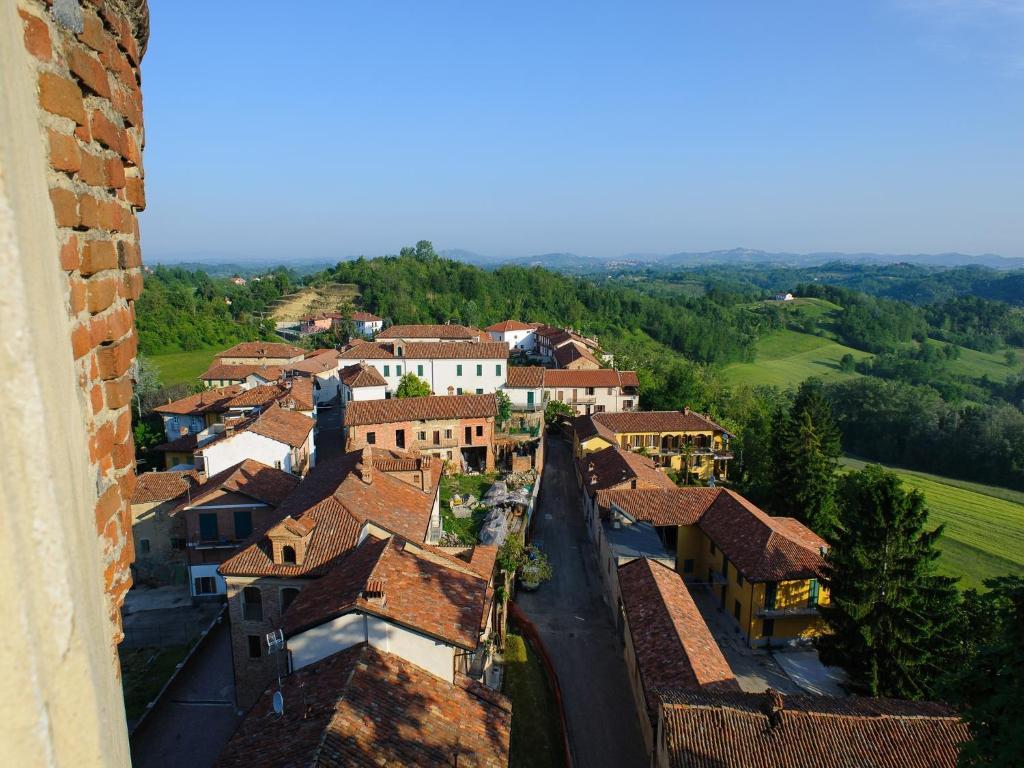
[(497, 370), (419, 370), (479, 370), (398, 370), (812, 600), (387, 370), (529, 398), (458, 370)]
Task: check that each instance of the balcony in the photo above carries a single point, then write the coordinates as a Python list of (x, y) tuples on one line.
[(786, 613), (196, 543)]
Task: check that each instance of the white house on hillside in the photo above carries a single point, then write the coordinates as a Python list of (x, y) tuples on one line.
[(279, 438), (516, 334), (367, 324), (456, 368), (362, 382)]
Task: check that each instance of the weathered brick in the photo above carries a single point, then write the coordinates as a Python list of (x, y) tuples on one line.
[(115, 359), (64, 152), (118, 392), (61, 96), (99, 330), (98, 255), (127, 481), (115, 60), (69, 258), (109, 502), (93, 34), (76, 296), (96, 398), (106, 133), (102, 442), (37, 36), (131, 285), (120, 322), (83, 134), (81, 341), (136, 193), (128, 255), (101, 293), (126, 106), (115, 172), (123, 423), (65, 207), (89, 71), (89, 211), (94, 170)]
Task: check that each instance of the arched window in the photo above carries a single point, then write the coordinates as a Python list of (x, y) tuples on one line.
[(288, 555), (288, 595), (252, 604)]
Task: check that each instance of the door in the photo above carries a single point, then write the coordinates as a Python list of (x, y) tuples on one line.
[(208, 526), (469, 436), (400, 438), (529, 398)]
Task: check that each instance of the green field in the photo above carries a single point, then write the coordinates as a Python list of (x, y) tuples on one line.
[(984, 535), (974, 364), (785, 358), (183, 367)]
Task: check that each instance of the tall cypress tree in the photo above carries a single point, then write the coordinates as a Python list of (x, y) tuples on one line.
[(806, 448), (890, 617)]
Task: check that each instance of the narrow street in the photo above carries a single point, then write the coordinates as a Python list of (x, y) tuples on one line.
[(577, 628)]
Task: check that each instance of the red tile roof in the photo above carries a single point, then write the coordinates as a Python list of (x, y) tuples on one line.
[(525, 377), (250, 478), (570, 353), (259, 395), (427, 350), (656, 421), (364, 707), (767, 730), (448, 331), (428, 408), (328, 361), (225, 372), (671, 506), (336, 499), (362, 375), (365, 317), (207, 401), (266, 349), (613, 466), (509, 325), (183, 444), (672, 644), (288, 427), (602, 377), (423, 590), (300, 396), (163, 486)]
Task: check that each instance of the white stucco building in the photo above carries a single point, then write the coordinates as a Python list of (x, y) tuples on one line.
[(279, 438), (455, 368), (516, 334)]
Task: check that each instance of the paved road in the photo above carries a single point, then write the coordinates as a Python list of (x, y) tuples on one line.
[(577, 628), (196, 716)]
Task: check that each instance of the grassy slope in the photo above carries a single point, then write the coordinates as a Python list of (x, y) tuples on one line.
[(974, 364), (785, 358), (984, 534), (183, 367), (536, 730)]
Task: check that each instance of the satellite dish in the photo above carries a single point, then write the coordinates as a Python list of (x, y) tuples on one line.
[(278, 703)]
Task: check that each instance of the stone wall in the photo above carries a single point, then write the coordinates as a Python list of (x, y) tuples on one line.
[(85, 58)]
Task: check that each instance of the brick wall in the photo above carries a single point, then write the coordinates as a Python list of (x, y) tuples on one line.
[(385, 436), (86, 58)]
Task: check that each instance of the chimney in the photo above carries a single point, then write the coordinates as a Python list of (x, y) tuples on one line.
[(686, 410), (593, 479), (365, 465), (632, 483), (590, 466), (426, 462), (183, 431), (772, 706), (374, 592)]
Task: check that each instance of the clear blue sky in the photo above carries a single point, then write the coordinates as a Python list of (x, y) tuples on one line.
[(320, 129)]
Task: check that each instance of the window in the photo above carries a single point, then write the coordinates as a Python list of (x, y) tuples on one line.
[(243, 523), (497, 370), (770, 590), (447, 434), (611, 391), (143, 546), (627, 404), (437, 436), (398, 370), (419, 370), (469, 435), (178, 544), (458, 370), (725, 567), (736, 609), (277, 464), (739, 578), (205, 585), (401, 351), (529, 398), (561, 396), (479, 370), (812, 600), (458, 391), (479, 391), (400, 438), (387, 370), (371, 438), (479, 431), (288, 555), (688, 565), (208, 526), (590, 390), (252, 604), (421, 435), (255, 647), (711, 547), (288, 595), (599, 408), (768, 628)]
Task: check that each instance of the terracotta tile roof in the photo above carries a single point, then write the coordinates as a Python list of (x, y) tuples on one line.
[(613, 466), (289, 427), (448, 331), (767, 730), (430, 407), (673, 506), (553, 334), (250, 478), (226, 372), (336, 500), (570, 353), (361, 375), (184, 444), (364, 707), (673, 646), (601, 377), (509, 325), (427, 350), (163, 486), (257, 396), (656, 421), (268, 349), (525, 377), (328, 361), (300, 396), (207, 401), (422, 590), (365, 317)]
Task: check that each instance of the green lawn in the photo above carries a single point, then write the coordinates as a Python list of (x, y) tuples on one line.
[(183, 367), (984, 534), (785, 358), (467, 528), (144, 671), (974, 364), (536, 726)]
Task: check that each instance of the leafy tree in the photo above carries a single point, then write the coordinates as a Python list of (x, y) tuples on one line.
[(504, 406), (891, 619), (806, 447), (556, 411), (986, 686), (847, 363), (411, 385), (147, 385), (515, 556)]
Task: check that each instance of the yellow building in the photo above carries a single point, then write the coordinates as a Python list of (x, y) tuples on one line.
[(763, 570), (679, 440)]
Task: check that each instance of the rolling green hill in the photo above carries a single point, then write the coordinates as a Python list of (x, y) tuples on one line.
[(183, 367), (785, 358), (984, 535)]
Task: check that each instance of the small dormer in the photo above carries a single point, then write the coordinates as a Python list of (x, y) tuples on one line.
[(289, 540)]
